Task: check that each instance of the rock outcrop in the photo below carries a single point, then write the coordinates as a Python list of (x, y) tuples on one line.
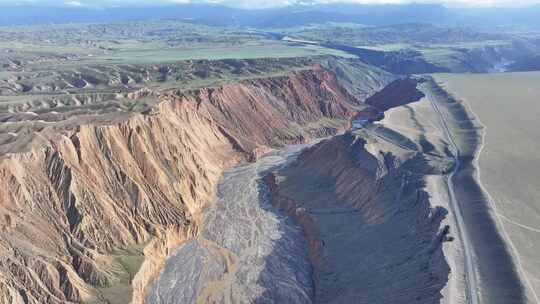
[(80, 206), (399, 92), (373, 235)]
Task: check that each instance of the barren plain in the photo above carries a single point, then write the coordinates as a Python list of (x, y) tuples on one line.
[(506, 108)]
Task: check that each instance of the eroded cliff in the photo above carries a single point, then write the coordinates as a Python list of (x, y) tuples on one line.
[(90, 212), (373, 234)]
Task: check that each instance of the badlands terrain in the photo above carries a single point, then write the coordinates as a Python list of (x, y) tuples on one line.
[(196, 161)]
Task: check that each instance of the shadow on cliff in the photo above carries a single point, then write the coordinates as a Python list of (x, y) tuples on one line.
[(396, 259), (287, 275)]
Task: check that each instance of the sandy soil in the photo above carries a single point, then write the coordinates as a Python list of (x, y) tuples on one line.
[(507, 107), (419, 121)]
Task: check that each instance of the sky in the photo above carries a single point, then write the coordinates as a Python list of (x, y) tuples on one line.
[(263, 3)]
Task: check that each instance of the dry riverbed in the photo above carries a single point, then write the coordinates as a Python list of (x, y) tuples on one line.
[(393, 212), (247, 252)]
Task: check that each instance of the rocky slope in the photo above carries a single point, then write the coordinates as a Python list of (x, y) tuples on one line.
[(399, 92), (81, 205), (402, 62), (246, 251), (53, 93), (374, 236), (360, 79)]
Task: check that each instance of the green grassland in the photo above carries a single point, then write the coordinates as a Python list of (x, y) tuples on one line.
[(453, 49), (144, 42), (263, 49), (128, 262)]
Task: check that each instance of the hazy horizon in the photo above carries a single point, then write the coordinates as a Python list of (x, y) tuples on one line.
[(261, 4)]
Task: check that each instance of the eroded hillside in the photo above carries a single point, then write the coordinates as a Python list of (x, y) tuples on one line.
[(91, 211), (375, 236)]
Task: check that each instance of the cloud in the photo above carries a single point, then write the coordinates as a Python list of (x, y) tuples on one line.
[(264, 3), (445, 2), (73, 3)]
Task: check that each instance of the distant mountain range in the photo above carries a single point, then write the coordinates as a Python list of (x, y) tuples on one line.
[(277, 17)]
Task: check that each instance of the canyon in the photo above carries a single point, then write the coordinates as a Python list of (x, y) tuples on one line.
[(201, 153), (368, 208), (321, 180), (91, 211)]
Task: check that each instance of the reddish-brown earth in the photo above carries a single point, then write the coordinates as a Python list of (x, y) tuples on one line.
[(76, 204)]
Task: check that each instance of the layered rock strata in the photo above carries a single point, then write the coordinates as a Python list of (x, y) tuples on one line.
[(90, 213)]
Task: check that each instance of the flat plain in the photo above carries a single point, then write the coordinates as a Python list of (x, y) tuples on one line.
[(506, 105)]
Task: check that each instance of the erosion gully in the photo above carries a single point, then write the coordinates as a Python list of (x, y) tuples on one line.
[(247, 252), (250, 252)]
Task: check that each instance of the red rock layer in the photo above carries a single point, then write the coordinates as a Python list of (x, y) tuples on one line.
[(70, 208)]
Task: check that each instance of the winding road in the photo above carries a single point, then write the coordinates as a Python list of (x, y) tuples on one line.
[(470, 273)]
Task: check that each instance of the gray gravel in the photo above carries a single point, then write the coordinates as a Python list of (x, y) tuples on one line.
[(248, 252)]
